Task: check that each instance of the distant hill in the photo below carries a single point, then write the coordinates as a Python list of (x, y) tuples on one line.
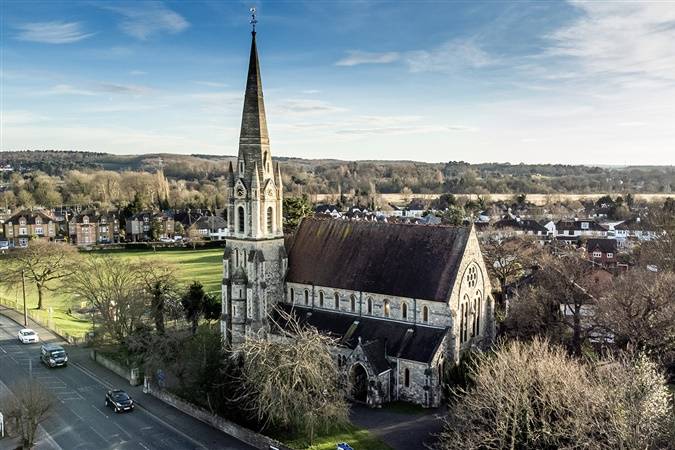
[(329, 176)]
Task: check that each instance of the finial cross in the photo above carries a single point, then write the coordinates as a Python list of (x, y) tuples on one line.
[(253, 19)]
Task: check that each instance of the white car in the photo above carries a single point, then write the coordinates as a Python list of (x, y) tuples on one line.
[(28, 336)]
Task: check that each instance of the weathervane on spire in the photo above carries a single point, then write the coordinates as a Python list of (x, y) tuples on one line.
[(253, 19)]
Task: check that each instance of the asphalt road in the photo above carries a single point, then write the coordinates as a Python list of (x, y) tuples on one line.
[(80, 421)]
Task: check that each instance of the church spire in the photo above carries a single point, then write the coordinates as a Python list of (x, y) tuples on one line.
[(254, 138)]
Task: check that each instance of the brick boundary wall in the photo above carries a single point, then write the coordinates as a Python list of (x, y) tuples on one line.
[(243, 434)]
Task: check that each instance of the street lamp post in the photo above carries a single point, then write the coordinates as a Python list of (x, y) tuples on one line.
[(23, 288)]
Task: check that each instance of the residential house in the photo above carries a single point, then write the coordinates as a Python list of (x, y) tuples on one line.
[(602, 251), (522, 226), (25, 225), (211, 227), (577, 228), (91, 227), (635, 229), (139, 227)]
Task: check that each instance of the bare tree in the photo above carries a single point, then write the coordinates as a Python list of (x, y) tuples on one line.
[(115, 291), (507, 256), (293, 382), (27, 408), (43, 262), (639, 312), (531, 395)]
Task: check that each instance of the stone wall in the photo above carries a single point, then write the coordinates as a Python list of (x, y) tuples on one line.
[(131, 375), (237, 431), (439, 313)]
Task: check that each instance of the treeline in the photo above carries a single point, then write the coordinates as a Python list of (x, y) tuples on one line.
[(55, 177)]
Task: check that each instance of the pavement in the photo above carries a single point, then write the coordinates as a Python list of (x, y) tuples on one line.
[(79, 420), (399, 430)]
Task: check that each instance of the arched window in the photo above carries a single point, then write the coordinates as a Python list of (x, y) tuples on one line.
[(478, 313), (386, 308), (404, 311), (292, 295), (425, 314), (475, 314), (406, 377), (241, 219), (321, 299), (370, 305), (306, 297), (462, 315), (337, 300), (270, 221), (353, 303)]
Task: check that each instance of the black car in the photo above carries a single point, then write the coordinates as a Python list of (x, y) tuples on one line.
[(119, 401)]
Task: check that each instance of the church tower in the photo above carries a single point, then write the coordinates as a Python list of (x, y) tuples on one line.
[(254, 261)]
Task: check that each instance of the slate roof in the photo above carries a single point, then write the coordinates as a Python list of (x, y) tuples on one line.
[(603, 245), (419, 344), (386, 258), (523, 224), (576, 225), (210, 222), (30, 217), (633, 225)]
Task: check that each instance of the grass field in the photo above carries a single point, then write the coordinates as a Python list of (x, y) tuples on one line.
[(58, 312), (357, 438)]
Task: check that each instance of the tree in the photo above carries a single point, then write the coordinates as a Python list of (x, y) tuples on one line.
[(531, 395), (639, 312), (533, 313), (454, 215), (197, 304), (507, 256), (27, 408), (155, 229), (295, 208), (43, 262), (115, 291), (161, 285), (293, 382), (567, 282)]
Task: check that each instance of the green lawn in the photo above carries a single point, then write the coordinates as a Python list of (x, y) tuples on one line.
[(357, 438), (202, 265)]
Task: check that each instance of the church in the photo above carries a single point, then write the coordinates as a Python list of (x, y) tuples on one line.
[(402, 301)]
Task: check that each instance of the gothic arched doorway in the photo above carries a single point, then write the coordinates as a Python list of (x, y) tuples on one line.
[(359, 383)]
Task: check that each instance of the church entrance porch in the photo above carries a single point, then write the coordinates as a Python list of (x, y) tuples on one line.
[(358, 378)]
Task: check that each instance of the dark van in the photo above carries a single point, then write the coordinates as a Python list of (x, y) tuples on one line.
[(53, 355)]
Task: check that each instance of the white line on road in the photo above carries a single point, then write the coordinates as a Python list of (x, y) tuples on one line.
[(96, 378)]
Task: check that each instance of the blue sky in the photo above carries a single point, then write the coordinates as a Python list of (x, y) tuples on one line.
[(479, 81)]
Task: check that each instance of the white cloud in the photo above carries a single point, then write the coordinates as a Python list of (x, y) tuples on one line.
[(137, 73), (304, 107), (67, 89), (214, 84), (20, 117), (450, 57), (52, 32), (357, 57), (97, 89), (145, 19), (634, 42)]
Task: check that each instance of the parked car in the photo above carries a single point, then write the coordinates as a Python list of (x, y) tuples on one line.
[(53, 355), (119, 401), (165, 239), (28, 336)]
